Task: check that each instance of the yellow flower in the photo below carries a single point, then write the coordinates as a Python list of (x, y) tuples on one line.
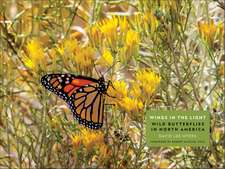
[(120, 89), (28, 62), (210, 31), (67, 50), (135, 91), (88, 138), (148, 81), (96, 36), (137, 21), (84, 59), (123, 24), (76, 141), (131, 105), (35, 49), (36, 55), (61, 50), (146, 22), (131, 46), (106, 59), (91, 138), (108, 27), (109, 32), (132, 38), (150, 19), (70, 45)]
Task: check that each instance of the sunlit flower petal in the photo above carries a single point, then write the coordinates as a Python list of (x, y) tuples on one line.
[(106, 59), (131, 46), (91, 139), (36, 55), (131, 105), (210, 31), (120, 89), (148, 81), (84, 59)]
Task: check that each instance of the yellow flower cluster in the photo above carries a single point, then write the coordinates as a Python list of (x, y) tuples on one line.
[(109, 32), (72, 53), (131, 104), (82, 56), (122, 97), (96, 36), (148, 81), (145, 22), (68, 47), (84, 59), (120, 89), (135, 90), (150, 22), (88, 138), (131, 46), (141, 89), (211, 31), (36, 57), (114, 35)]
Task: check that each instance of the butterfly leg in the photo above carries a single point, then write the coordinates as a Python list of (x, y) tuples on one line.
[(110, 84), (109, 95)]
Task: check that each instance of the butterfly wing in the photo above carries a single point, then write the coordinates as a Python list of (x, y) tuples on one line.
[(64, 85), (81, 94), (87, 105)]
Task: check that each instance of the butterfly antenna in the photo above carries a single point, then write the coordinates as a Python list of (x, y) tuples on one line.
[(98, 73), (110, 68)]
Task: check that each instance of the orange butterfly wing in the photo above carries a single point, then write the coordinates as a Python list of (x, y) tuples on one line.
[(63, 85), (82, 96), (87, 105)]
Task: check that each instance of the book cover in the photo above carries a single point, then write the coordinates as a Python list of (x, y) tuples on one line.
[(112, 84)]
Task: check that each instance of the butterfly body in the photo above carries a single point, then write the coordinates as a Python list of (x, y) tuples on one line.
[(85, 96)]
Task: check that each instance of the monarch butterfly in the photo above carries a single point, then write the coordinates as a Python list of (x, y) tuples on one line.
[(85, 96)]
